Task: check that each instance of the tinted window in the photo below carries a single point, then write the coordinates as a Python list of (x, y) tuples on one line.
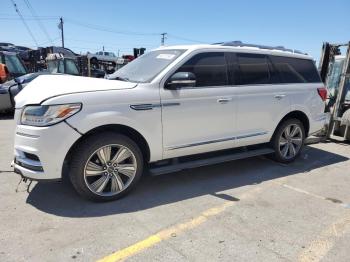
[(209, 68), (296, 70), (253, 69)]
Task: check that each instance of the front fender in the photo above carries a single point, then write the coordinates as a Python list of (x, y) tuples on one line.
[(147, 123)]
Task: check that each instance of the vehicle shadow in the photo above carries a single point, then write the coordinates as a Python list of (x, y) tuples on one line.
[(61, 200), (7, 115)]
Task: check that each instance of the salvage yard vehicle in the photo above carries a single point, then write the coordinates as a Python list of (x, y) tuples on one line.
[(11, 66), (335, 73), (171, 109), (14, 64), (103, 56), (11, 88)]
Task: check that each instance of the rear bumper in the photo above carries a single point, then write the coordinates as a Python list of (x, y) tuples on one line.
[(319, 123)]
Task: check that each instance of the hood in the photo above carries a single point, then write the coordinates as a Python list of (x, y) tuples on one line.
[(45, 86)]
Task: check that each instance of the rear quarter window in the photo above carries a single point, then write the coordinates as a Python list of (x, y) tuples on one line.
[(295, 70)]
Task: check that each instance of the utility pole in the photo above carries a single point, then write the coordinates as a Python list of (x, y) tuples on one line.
[(60, 26), (163, 38)]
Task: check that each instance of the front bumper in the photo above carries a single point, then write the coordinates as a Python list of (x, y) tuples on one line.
[(40, 151)]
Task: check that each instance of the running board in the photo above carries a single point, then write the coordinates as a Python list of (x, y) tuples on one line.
[(179, 166)]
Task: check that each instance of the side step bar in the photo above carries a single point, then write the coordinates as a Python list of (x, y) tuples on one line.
[(178, 166)]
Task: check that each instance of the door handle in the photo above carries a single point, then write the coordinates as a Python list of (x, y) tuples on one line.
[(279, 96), (224, 100)]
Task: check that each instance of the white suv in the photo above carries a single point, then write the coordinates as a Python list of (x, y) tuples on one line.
[(168, 110)]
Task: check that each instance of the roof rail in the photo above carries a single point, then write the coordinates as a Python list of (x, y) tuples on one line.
[(241, 44)]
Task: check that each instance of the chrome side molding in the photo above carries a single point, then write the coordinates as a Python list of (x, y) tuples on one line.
[(216, 141), (140, 107)]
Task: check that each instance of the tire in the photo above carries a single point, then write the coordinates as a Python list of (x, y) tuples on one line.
[(288, 148), (106, 166)]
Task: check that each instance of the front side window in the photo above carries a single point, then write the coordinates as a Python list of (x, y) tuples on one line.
[(253, 69), (209, 69)]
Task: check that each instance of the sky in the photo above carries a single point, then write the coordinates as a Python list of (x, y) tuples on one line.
[(121, 25)]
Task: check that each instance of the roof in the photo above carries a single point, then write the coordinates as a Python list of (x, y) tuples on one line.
[(246, 48)]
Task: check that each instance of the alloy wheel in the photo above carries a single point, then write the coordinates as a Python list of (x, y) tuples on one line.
[(290, 141), (110, 170)]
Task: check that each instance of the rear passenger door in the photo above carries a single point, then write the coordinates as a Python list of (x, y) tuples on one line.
[(262, 100)]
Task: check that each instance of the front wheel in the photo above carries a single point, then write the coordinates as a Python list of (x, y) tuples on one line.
[(288, 140), (106, 166)]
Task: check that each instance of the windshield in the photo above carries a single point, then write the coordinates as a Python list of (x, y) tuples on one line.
[(146, 67), (14, 65)]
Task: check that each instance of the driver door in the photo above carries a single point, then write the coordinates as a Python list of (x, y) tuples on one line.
[(200, 118)]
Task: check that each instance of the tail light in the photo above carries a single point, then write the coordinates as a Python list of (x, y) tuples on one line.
[(322, 92)]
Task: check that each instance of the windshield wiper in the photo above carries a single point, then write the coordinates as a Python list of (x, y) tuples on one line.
[(122, 79)]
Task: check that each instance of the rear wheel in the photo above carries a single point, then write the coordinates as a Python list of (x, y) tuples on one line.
[(288, 140), (106, 167)]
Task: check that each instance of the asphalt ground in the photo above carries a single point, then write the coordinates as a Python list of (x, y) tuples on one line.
[(246, 210)]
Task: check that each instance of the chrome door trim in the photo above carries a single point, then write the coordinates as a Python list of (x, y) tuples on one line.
[(251, 135), (170, 104), (200, 143), (215, 141), (140, 107)]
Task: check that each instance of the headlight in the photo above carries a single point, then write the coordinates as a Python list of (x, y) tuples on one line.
[(48, 115)]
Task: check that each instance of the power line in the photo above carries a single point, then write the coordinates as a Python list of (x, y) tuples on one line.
[(27, 18), (24, 22), (41, 25), (40, 16), (104, 43), (109, 30), (185, 39)]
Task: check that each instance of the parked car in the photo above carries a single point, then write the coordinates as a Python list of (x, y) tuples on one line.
[(170, 109), (6, 46), (103, 56), (56, 64), (11, 88)]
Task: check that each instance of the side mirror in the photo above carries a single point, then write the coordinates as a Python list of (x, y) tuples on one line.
[(180, 80), (4, 73)]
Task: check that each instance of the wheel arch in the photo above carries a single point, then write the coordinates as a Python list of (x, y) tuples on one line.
[(120, 129), (297, 114)]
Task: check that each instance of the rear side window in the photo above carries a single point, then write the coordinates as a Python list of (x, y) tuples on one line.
[(209, 68), (254, 69), (296, 70)]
